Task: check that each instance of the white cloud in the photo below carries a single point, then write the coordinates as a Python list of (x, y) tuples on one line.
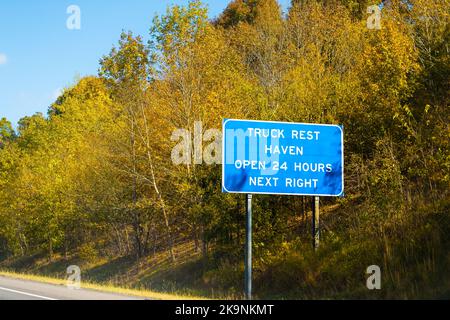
[(3, 58)]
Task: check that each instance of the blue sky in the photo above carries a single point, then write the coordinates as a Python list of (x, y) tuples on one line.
[(39, 55)]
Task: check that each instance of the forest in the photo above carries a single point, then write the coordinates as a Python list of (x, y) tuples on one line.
[(93, 181)]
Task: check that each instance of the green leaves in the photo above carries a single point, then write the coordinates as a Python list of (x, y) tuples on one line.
[(6, 132)]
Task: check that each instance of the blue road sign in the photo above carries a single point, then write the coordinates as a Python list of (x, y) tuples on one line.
[(261, 157)]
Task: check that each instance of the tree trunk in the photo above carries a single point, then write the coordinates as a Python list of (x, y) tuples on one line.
[(50, 250), (155, 186)]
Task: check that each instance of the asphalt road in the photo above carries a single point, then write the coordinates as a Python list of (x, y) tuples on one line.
[(14, 289)]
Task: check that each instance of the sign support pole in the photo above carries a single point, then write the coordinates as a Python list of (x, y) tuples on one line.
[(316, 223), (248, 250)]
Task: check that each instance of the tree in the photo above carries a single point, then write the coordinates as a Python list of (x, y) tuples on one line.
[(237, 11), (127, 73), (6, 132), (199, 82)]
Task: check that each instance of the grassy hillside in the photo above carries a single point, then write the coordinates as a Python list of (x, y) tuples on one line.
[(412, 251)]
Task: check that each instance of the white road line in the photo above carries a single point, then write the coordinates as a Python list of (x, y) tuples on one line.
[(27, 294)]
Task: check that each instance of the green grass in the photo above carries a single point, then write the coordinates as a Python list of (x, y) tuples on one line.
[(154, 277)]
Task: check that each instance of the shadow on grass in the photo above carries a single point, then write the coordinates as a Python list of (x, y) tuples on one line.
[(117, 271), (178, 278)]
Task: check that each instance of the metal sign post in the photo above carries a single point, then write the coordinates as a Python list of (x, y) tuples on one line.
[(248, 250), (316, 223)]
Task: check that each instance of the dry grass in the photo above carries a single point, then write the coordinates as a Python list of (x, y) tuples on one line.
[(104, 288)]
